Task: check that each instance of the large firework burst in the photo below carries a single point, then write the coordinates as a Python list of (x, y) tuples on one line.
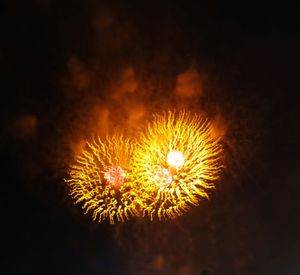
[(177, 160), (99, 179)]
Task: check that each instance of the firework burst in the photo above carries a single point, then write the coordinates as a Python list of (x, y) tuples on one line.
[(99, 179), (177, 160)]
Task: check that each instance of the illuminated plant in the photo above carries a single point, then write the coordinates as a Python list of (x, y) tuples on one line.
[(177, 160), (99, 179)]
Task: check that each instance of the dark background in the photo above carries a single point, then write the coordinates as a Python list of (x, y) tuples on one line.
[(250, 225)]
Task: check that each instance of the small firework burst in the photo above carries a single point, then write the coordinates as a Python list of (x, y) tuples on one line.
[(176, 162), (115, 176), (99, 179)]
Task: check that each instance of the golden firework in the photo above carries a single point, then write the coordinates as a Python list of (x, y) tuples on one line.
[(177, 160), (99, 179)]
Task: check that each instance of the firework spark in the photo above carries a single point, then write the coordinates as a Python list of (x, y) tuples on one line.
[(100, 180), (177, 160)]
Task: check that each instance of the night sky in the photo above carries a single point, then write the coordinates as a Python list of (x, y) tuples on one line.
[(70, 69)]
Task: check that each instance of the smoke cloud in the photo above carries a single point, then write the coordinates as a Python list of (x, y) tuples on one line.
[(25, 127)]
